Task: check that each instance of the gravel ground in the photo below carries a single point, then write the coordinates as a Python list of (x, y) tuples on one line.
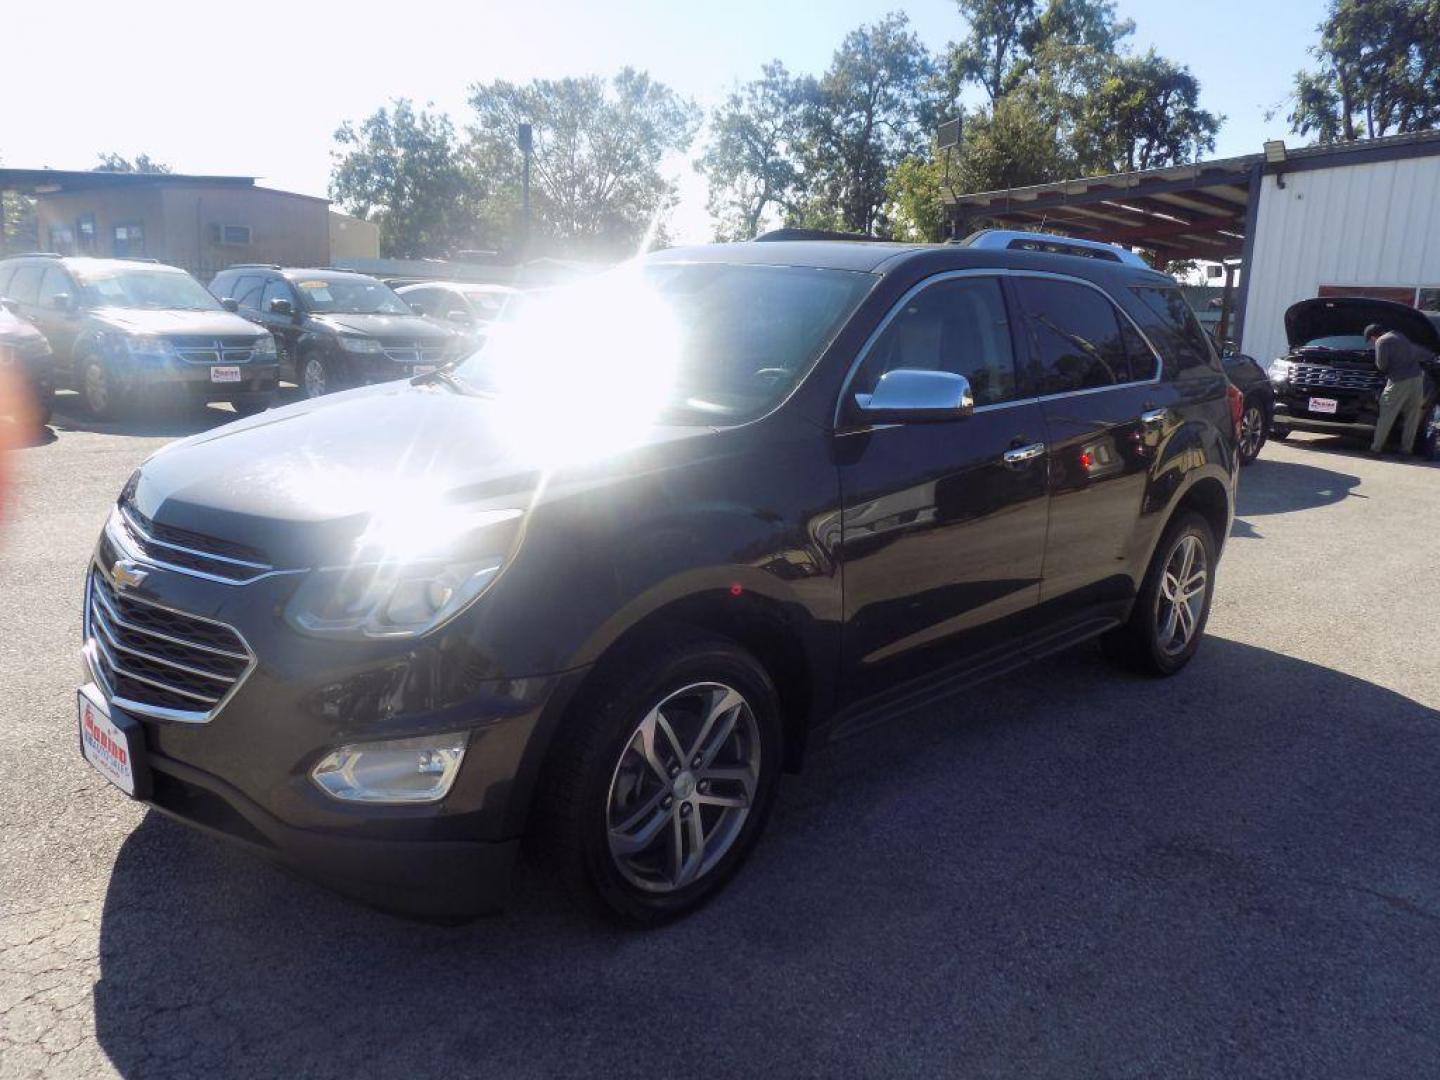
[(1072, 873)]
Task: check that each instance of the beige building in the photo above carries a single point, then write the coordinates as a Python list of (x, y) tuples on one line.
[(352, 238), (200, 223)]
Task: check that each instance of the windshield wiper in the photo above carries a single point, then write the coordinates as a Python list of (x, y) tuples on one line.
[(444, 377)]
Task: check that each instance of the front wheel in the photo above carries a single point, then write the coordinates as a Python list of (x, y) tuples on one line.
[(1169, 616), (665, 779), (97, 389), (321, 375), (1252, 431), (1279, 431), (252, 406)]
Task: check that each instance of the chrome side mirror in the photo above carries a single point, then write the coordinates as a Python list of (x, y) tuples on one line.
[(906, 395)]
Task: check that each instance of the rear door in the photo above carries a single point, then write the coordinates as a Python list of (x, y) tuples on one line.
[(942, 536), (1106, 412)]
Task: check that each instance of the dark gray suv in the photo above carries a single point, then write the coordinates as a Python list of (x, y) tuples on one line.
[(126, 331)]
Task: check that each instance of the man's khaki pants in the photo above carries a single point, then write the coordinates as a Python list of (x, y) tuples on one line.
[(1407, 396)]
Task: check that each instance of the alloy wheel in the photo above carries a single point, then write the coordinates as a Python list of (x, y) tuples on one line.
[(1252, 430), (97, 389), (315, 383), (1180, 600), (683, 787)]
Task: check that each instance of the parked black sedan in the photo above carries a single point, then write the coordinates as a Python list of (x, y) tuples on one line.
[(1251, 379)]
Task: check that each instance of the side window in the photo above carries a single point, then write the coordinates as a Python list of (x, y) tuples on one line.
[(275, 289), (1165, 316), (25, 285), (430, 299), (52, 285), (958, 325), (246, 291), (1074, 336)]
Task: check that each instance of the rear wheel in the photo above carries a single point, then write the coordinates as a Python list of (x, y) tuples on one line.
[(664, 781), (1169, 616), (1252, 431)]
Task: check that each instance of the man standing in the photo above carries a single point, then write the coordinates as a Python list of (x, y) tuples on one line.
[(1399, 358)]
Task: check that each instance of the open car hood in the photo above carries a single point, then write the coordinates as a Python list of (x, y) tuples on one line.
[(1327, 316)]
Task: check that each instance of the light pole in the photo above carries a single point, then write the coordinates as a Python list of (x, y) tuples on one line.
[(526, 143)]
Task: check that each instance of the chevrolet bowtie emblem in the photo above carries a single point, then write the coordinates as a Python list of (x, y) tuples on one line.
[(126, 575)]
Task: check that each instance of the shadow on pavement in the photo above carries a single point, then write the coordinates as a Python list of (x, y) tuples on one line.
[(169, 420), (1236, 872), (1280, 487), (1356, 448)]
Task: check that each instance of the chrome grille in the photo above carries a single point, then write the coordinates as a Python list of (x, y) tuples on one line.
[(214, 350), (155, 661), (131, 533), (1325, 377), (415, 350)]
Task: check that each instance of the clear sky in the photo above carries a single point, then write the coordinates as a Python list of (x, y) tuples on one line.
[(259, 89)]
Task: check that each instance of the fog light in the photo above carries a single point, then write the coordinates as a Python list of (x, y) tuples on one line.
[(396, 771)]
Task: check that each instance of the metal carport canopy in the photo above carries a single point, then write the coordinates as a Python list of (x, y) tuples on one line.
[(1197, 211)]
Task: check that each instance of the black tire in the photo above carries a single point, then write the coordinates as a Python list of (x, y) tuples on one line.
[(44, 407), (1141, 642), (579, 796), (98, 392), (252, 406), (1279, 431), (319, 375), (1253, 425)]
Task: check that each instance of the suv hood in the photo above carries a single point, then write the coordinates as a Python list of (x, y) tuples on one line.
[(1331, 315), (384, 325), (301, 482), (145, 321)]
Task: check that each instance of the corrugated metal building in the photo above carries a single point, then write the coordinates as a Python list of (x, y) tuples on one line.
[(1344, 229)]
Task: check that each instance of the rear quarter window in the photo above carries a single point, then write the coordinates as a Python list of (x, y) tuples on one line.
[(1170, 324)]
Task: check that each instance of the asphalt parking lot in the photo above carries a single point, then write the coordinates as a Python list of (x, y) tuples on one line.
[(1071, 873)]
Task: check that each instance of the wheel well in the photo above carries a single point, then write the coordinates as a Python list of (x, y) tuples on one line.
[(1209, 499), (756, 624)]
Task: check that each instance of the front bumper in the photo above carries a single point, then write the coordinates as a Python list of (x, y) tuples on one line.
[(193, 381), (243, 774)]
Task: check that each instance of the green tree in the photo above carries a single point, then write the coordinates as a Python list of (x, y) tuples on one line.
[(143, 163), (1010, 144), (914, 197), (876, 105), (994, 52), (1144, 113), (406, 171), (751, 161), (597, 183), (1379, 71)]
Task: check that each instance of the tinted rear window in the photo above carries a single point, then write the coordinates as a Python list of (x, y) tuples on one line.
[(1170, 324)]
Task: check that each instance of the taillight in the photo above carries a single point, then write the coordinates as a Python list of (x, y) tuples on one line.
[(1237, 405)]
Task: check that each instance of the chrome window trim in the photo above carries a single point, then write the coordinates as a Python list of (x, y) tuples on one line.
[(140, 708), (995, 272)]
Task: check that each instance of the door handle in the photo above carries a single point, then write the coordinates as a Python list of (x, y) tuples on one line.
[(1021, 454), (1154, 418)]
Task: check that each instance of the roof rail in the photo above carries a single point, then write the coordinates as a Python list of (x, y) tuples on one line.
[(814, 234), (35, 255), (1050, 244), (253, 266)]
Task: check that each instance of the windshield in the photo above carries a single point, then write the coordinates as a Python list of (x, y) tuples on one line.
[(487, 305), (349, 296), (128, 287), (1349, 342), (683, 342)]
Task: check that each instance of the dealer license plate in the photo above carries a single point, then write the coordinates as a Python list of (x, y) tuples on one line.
[(105, 746), (225, 374), (1324, 404)]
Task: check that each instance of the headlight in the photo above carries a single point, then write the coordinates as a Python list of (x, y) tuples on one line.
[(394, 588), (397, 771), (1279, 370), (148, 347), (360, 344), (264, 348)]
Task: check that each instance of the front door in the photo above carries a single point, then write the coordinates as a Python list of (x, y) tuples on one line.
[(286, 328), (943, 524), (57, 313)]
